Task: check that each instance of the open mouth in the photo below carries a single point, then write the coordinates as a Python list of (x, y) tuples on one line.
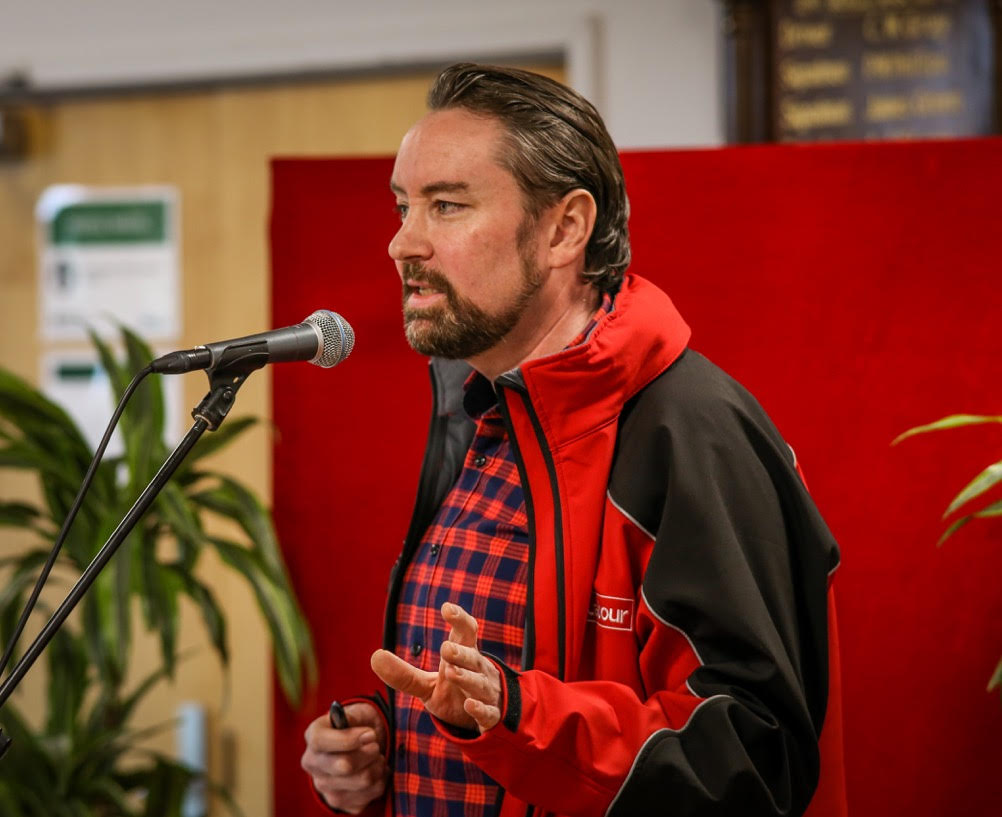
[(419, 293)]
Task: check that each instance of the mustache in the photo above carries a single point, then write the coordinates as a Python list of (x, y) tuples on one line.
[(425, 275)]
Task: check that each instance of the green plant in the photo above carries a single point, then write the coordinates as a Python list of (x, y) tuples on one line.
[(84, 761), (976, 489)]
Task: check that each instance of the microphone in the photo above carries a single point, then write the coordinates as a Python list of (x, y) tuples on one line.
[(324, 338)]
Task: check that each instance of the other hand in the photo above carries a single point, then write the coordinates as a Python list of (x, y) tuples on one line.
[(348, 766), (466, 690)]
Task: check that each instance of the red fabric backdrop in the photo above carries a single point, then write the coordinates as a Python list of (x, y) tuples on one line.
[(853, 288)]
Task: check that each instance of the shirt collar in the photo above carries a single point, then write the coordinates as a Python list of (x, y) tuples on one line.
[(479, 394)]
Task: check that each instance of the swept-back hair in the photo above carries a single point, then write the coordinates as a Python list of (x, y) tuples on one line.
[(555, 142)]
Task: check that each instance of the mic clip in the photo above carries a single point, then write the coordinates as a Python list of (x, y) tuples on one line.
[(226, 376)]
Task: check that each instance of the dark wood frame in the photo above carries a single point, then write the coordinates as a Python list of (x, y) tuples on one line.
[(748, 62)]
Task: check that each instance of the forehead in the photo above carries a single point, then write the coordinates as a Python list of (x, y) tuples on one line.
[(450, 146)]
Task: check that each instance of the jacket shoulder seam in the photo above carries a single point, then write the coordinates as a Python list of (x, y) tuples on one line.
[(632, 519)]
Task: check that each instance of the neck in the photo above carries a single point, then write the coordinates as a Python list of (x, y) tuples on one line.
[(552, 319)]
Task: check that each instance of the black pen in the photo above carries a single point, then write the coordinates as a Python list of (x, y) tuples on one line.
[(338, 719)]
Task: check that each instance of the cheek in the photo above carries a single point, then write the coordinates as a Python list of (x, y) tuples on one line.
[(466, 249)]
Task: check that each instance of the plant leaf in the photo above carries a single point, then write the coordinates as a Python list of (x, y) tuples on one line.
[(211, 443), (164, 586), (995, 509), (13, 592), (212, 615), (953, 528), (166, 785), (23, 515), (31, 765), (117, 375), (279, 615), (144, 686), (232, 500), (977, 486), (68, 682), (953, 421), (99, 630), (181, 518), (160, 600), (996, 679), (149, 404), (32, 414)]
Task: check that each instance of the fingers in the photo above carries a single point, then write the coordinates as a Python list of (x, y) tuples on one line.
[(478, 680), (466, 657), (400, 675), (365, 714), (463, 625), (477, 676), (351, 791), (323, 738), (347, 766), (485, 715)]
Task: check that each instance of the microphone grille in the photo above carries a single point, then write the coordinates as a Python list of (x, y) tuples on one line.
[(338, 337)]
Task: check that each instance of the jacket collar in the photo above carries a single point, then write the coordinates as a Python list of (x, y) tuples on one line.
[(585, 386)]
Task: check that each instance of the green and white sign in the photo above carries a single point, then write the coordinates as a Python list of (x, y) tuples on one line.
[(109, 255)]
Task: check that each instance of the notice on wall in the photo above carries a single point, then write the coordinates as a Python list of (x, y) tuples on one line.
[(109, 256), (866, 69)]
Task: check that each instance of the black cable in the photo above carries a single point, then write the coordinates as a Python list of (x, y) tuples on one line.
[(74, 508)]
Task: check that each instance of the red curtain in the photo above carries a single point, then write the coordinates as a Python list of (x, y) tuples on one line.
[(853, 288)]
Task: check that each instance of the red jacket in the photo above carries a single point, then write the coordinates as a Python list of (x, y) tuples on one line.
[(680, 650)]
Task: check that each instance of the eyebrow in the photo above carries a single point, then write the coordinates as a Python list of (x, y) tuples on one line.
[(435, 187)]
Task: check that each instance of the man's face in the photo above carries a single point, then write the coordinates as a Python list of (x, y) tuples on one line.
[(466, 249)]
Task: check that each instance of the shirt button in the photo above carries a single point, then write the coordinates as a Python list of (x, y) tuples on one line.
[(434, 549), (480, 460), (416, 648)]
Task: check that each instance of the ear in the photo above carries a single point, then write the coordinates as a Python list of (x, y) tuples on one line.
[(573, 219)]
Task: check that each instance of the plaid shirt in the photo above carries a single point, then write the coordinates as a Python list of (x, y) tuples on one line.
[(475, 553)]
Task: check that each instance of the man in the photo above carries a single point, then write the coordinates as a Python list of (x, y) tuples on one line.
[(614, 595)]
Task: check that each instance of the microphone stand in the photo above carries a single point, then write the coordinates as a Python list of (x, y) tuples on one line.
[(225, 378)]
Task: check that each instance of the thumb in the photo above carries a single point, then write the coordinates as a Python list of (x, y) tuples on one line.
[(362, 714), (400, 675)]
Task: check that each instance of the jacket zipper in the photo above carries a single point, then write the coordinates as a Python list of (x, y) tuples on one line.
[(529, 641), (558, 525), (435, 442)]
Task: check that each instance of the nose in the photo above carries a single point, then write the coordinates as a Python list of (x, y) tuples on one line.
[(411, 241)]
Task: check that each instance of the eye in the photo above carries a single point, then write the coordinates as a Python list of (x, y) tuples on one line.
[(445, 208), (401, 209)]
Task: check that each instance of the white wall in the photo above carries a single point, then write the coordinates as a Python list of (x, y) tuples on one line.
[(652, 66)]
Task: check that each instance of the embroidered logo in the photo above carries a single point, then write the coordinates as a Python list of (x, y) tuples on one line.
[(611, 612)]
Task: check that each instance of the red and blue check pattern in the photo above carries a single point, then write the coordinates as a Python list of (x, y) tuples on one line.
[(474, 554)]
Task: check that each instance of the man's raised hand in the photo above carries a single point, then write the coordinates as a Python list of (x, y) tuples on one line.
[(466, 690)]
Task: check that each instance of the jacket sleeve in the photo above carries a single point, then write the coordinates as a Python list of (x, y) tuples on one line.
[(732, 631)]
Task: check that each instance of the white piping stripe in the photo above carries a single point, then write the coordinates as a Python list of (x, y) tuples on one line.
[(685, 635), (677, 629), (622, 510), (665, 730)]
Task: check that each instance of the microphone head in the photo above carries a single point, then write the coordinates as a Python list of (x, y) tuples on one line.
[(337, 334)]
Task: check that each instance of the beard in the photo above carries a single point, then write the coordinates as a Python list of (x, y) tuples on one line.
[(459, 329)]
